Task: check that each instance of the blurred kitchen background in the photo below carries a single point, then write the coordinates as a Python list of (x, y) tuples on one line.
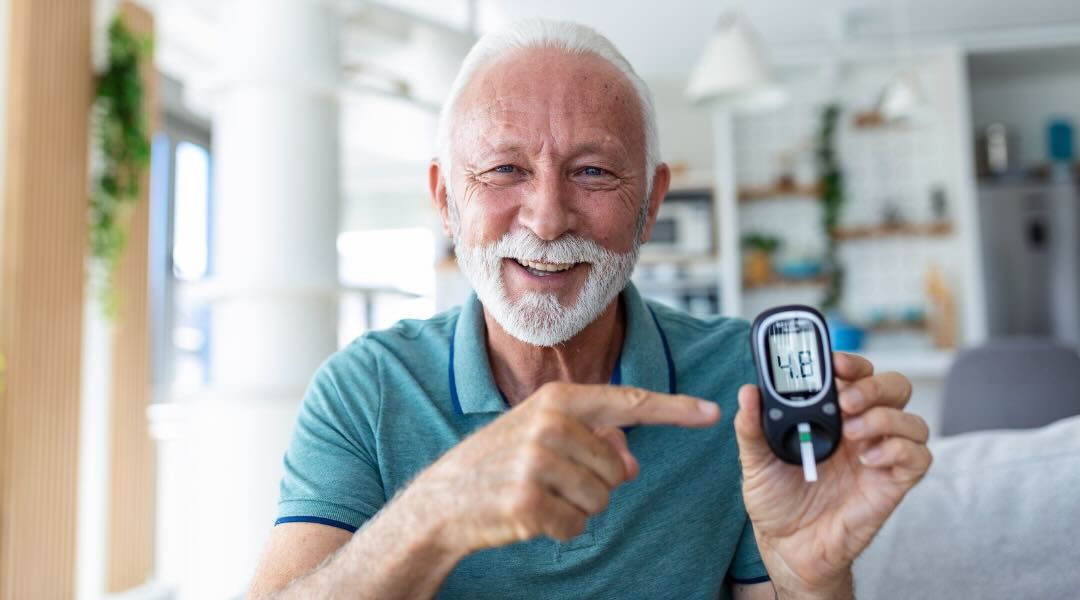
[(909, 166)]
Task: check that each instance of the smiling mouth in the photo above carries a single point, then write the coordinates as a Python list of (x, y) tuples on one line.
[(542, 269)]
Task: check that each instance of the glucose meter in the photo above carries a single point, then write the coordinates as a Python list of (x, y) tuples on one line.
[(799, 411)]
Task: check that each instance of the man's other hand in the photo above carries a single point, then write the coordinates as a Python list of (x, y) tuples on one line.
[(545, 466), (810, 533)]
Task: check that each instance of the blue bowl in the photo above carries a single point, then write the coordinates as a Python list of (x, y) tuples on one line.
[(798, 269), (845, 337)]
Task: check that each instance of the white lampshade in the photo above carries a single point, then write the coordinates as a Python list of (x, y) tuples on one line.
[(902, 98), (732, 70)]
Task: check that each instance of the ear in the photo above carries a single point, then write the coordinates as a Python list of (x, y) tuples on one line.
[(437, 187), (660, 185)]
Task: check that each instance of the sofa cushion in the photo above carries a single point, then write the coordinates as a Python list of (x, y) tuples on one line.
[(997, 516)]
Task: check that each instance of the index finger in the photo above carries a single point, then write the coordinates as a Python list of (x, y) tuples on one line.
[(620, 406)]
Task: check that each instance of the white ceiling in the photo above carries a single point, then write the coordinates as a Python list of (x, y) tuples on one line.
[(664, 37), (661, 38)]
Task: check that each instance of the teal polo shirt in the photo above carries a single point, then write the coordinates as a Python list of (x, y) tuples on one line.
[(382, 409)]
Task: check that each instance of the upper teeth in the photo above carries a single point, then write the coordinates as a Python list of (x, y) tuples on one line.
[(552, 267)]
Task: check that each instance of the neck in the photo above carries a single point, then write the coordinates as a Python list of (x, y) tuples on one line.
[(589, 357)]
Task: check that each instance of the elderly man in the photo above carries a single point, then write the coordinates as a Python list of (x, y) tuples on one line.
[(558, 436)]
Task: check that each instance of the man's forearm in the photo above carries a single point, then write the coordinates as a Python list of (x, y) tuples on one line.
[(398, 554)]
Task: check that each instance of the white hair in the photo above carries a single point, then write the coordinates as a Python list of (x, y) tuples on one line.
[(571, 38)]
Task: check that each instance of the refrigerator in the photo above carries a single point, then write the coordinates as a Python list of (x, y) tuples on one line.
[(1030, 239)]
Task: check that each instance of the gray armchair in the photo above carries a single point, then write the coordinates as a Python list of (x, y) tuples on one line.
[(1011, 383)]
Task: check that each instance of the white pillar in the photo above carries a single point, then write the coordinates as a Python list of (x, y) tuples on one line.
[(274, 273), (95, 435), (726, 211)]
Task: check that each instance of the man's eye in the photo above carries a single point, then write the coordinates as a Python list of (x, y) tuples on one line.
[(593, 171), (505, 169)]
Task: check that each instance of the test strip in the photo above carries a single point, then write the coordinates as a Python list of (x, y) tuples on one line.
[(806, 446)]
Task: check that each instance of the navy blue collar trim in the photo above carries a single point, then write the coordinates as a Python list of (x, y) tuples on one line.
[(616, 374), (672, 383), (453, 380)]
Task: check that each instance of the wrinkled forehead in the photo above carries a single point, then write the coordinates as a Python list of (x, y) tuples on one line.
[(550, 92)]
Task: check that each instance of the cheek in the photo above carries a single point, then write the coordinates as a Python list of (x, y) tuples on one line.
[(610, 221), (486, 219)]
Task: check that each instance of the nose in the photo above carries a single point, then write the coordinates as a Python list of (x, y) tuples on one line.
[(546, 209)]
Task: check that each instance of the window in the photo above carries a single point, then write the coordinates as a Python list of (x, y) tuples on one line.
[(388, 274), (181, 257), (191, 193)]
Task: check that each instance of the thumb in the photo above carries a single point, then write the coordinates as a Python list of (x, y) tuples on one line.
[(617, 440), (754, 451)]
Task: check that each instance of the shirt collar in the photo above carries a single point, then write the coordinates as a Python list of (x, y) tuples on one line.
[(644, 361)]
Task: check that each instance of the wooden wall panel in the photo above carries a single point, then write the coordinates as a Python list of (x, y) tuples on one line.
[(131, 506), (50, 90)]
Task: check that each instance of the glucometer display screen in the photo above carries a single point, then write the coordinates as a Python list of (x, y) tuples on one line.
[(795, 356)]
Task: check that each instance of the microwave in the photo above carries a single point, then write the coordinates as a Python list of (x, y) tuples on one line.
[(684, 226)]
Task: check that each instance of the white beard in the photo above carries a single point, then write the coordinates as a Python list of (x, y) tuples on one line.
[(539, 318)]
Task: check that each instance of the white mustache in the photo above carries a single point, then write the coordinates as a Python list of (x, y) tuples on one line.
[(524, 245), (536, 318)]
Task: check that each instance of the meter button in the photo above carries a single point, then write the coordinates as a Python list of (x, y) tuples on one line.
[(776, 414), (829, 408)]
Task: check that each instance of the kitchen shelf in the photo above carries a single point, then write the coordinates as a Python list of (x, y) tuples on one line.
[(938, 229), (676, 286), (778, 192), (648, 258), (897, 326), (775, 282), (875, 121)]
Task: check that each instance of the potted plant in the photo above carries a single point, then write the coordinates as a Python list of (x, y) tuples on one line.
[(831, 184), (758, 250), (122, 153)]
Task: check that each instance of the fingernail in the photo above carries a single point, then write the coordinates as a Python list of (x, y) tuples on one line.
[(854, 426), (709, 409), (852, 398), (871, 456)]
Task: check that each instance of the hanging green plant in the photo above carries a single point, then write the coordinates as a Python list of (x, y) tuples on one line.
[(832, 199), (123, 147)]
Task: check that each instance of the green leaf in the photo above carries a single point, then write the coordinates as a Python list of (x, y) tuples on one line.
[(832, 197), (121, 135)]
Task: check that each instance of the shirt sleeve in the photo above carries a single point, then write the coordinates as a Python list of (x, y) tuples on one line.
[(746, 565), (332, 472)]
